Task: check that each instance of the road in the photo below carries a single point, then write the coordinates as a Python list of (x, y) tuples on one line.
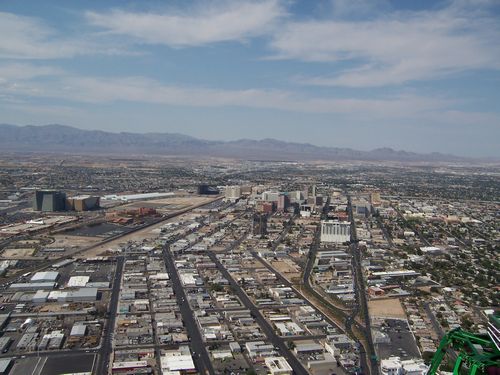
[(359, 286), (435, 324), (382, 227), (103, 362), (349, 319), (200, 354), (259, 318)]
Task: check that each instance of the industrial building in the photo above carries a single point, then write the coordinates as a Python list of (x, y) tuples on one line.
[(5, 365), (78, 330), (47, 276), (79, 295), (82, 203), (49, 201)]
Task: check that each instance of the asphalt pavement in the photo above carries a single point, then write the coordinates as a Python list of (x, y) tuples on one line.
[(200, 354), (359, 285), (107, 343), (277, 341)]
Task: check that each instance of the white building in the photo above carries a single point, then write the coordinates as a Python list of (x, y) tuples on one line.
[(278, 366), (177, 361), (233, 193), (77, 281), (270, 196), (395, 366), (46, 276), (335, 231)]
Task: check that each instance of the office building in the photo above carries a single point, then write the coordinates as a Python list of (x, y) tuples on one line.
[(82, 203), (259, 225), (49, 201), (283, 202), (335, 231), (270, 196)]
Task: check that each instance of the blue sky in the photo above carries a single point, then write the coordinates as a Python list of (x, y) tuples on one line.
[(415, 75)]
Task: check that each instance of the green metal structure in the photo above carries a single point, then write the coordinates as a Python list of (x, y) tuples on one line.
[(479, 353)]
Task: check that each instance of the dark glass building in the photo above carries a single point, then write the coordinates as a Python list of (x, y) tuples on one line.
[(49, 201)]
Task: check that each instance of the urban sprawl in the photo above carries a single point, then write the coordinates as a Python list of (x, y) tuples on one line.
[(172, 266)]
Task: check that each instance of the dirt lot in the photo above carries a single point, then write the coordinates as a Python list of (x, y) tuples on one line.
[(68, 242), (146, 233), (167, 204), (18, 253), (287, 268), (386, 308)]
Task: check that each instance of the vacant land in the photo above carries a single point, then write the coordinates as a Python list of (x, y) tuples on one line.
[(386, 308), (18, 253)]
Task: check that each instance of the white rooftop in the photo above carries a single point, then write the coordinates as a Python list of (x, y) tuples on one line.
[(45, 276), (78, 281)]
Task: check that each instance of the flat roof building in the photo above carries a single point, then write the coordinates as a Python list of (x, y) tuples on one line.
[(278, 366), (44, 277), (335, 231), (82, 203)]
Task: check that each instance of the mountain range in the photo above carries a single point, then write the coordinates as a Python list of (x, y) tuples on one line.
[(67, 139)]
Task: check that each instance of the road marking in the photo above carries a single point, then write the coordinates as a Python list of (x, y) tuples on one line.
[(43, 359)]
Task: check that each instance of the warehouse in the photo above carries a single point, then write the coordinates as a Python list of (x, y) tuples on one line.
[(5, 365), (78, 281), (78, 330), (81, 295), (33, 286), (40, 296), (45, 277)]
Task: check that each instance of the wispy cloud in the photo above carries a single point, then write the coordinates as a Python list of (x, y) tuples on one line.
[(31, 38), (395, 48), (203, 24), (85, 89), (16, 71)]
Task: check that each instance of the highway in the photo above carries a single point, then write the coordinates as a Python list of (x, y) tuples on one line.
[(103, 362), (200, 354)]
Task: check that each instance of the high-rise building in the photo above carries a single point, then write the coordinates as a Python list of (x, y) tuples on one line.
[(82, 203), (335, 231), (233, 193), (266, 207), (259, 225), (283, 202), (49, 201), (270, 196), (375, 198)]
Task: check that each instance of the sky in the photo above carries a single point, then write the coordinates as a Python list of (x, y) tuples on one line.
[(414, 75)]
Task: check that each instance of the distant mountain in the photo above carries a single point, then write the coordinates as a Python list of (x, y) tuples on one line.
[(61, 138)]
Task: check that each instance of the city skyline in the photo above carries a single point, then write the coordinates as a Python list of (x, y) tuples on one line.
[(418, 76)]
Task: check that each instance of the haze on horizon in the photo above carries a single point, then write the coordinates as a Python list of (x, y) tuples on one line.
[(421, 76)]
